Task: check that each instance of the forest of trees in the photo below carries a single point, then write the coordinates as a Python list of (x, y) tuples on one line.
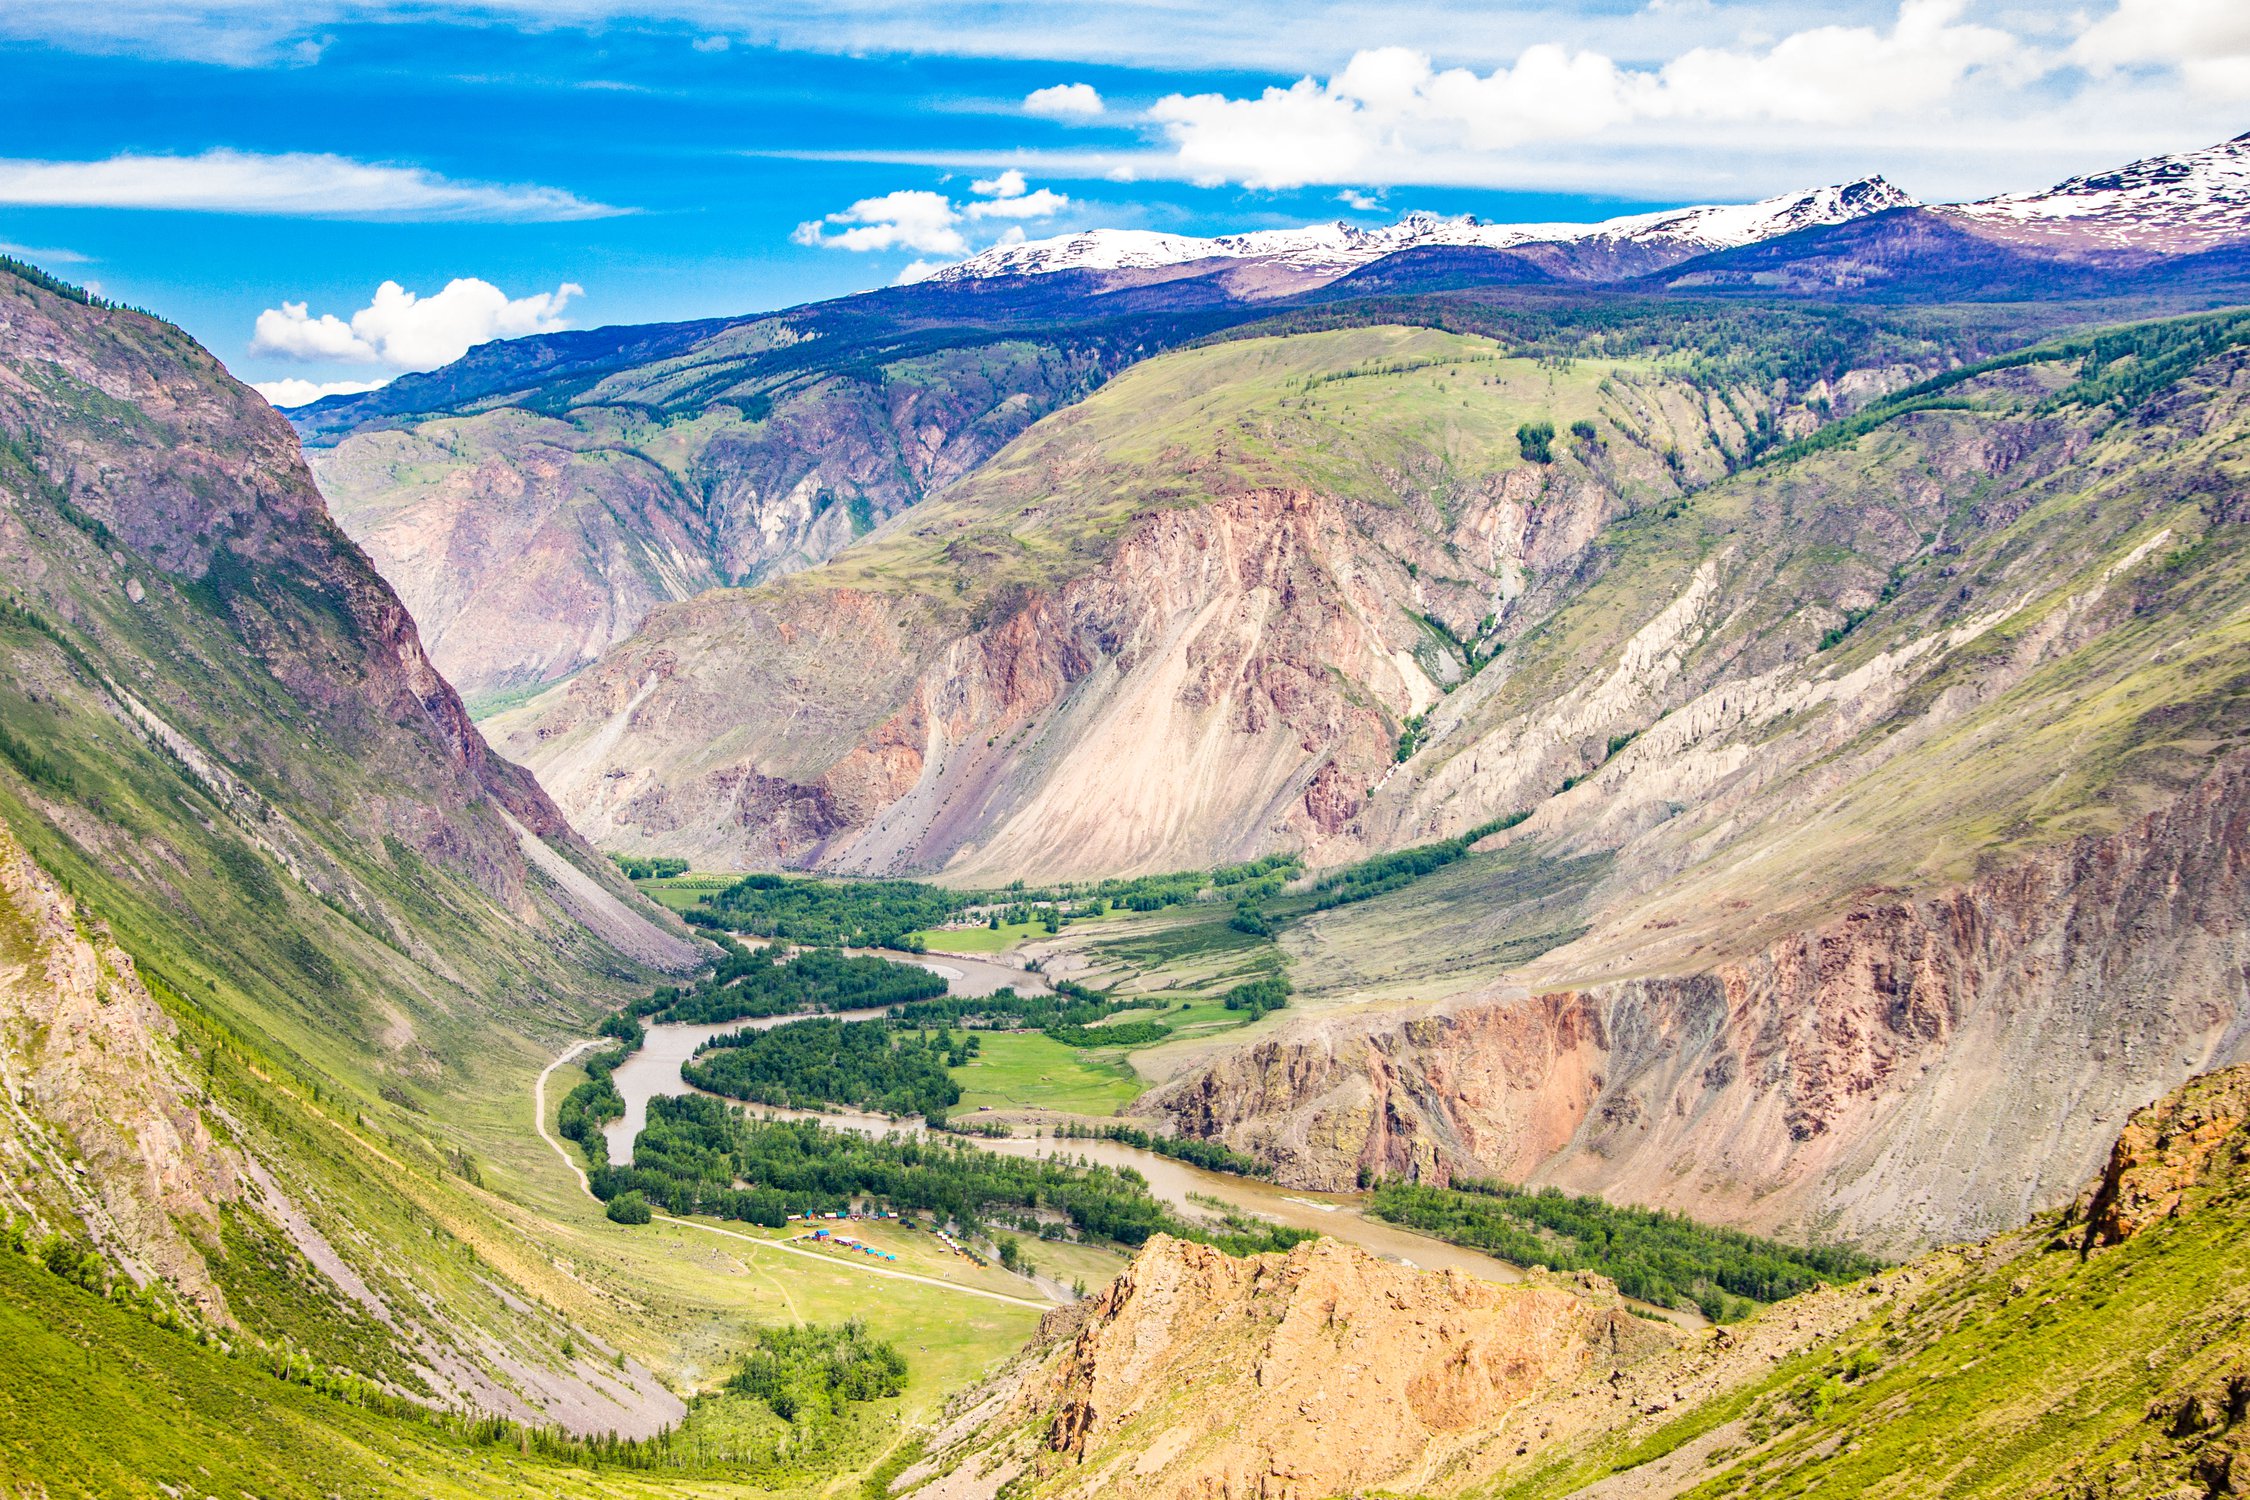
[(1006, 1010), (813, 979), (895, 913), (696, 1149), (808, 1374), (594, 1103), (1115, 1034), (1258, 996), (870, 1065), (846, 913), (650, 867), (1402, 867), (1250, 879), (1659, 1257)]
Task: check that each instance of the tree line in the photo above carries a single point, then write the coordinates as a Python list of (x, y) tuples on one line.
[(1660, 1257), (873, 1065), (1211, 1156)]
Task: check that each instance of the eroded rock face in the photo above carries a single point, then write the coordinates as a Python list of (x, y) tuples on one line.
[(529, 543), (205, 481), (1912, 1072), (1180, 667), (2166, 1152), (1319, 1372), (99, 1121)]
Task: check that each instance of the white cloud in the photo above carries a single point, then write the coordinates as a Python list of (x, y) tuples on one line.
[(711, 43), (1064, 101), (1390, 112), (1007, 196), (409, 332), (2207, 40), (917, 219), (919, 270), (1366, 203), (911, 219), (297, 183), (295, 391)]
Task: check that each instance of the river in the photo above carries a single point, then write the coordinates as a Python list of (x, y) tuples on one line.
[(655, 1070)]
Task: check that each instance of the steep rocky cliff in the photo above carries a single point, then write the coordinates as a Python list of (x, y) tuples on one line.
[(1894, 900), (529, 538), (269, 904), (2097, 1351), (1914, 1071)]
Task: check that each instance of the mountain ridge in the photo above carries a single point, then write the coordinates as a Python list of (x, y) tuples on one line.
[(1337, 247)]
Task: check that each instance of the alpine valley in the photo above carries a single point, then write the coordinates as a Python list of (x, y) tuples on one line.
[(1452, 859)]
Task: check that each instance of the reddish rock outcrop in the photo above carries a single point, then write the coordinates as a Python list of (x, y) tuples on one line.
[(1913, 1071), (2168, 1150)]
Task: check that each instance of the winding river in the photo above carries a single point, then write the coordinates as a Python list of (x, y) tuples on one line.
[(655, 1070)]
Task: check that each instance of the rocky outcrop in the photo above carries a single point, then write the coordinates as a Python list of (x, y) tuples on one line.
[(100, 1124), (1320, 1372), (1999, 1366), (2168, 1151), (1911, 1072)]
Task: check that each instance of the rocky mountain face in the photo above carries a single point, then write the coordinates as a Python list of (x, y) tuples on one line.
[(1185, 621), (1838, 749), (528, 540), (114, 426), (263, 889), (532, 502), (1857, 904), (1871, 1078), (2086, 1353)]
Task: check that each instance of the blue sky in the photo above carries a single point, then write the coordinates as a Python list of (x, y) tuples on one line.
[(600, 161)]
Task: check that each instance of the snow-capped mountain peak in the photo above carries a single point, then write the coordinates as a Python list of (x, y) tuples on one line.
[(2184, 202), (1337, 247)]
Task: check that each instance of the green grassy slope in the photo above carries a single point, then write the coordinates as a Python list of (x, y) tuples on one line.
[(1382, 415), (278, 964)]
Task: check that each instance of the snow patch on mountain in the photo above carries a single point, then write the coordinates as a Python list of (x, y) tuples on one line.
[(2184, 202), (1338, 247)]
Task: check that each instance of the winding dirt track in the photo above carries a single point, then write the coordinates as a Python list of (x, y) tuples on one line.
[(539, 1123)]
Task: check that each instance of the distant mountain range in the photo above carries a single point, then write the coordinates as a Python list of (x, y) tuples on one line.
[(2166, 204), (1338, 247)]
